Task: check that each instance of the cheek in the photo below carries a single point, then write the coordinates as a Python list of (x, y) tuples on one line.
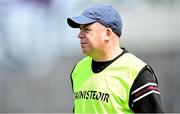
[(97, 43), (95, 40)]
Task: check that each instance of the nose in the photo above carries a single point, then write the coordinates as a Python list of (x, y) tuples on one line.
[(81, 34)]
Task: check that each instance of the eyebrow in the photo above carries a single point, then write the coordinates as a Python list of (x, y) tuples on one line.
[(85, 25)]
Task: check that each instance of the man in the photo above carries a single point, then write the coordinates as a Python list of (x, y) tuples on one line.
[(110, 79)]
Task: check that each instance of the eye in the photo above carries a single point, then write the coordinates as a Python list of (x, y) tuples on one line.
[(87, 29)]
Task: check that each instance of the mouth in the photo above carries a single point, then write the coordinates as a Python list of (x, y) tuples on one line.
[(83, 43)]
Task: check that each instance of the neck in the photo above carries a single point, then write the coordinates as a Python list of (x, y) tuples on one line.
[(108, 55)]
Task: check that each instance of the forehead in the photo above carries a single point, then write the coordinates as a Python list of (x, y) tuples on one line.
[(85, 25), (92, 25)]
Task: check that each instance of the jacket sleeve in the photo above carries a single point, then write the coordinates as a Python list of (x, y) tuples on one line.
[(144, 93)]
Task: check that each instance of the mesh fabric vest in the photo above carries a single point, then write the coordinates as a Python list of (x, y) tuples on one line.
[(107, 91)]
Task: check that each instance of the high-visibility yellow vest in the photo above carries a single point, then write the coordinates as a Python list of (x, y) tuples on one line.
[(107, 91)]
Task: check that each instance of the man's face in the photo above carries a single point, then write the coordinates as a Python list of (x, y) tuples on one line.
[(92, 38)]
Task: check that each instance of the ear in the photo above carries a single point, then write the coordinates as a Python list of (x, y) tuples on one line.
[(106, 38), (108, 34)]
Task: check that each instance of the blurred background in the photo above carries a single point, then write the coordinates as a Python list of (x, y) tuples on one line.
[(38, 50)]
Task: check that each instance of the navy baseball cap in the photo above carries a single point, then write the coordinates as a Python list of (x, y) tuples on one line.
[(104, 14)]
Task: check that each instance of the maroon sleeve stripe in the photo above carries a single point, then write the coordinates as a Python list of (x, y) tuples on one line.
[(144, 91), (144, 86)]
